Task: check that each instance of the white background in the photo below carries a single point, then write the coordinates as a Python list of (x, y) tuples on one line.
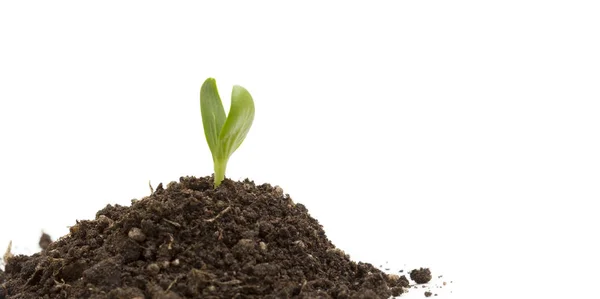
[(457, 135)]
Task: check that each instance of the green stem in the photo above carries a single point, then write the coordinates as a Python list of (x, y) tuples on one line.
[(220, 166)]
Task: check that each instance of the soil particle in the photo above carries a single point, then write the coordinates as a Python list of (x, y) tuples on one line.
[(428, 294), (45, 240), (192, 241), (422, 275), (137, 235)]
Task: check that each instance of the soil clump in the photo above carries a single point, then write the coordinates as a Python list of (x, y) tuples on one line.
[(422, 275)]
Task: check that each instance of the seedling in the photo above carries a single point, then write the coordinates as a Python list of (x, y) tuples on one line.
[(224, 134)]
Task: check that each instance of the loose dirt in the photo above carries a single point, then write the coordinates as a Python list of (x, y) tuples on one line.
[(192, 241), (422, 275)]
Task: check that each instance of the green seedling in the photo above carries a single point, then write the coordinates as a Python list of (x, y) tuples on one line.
[(224, 134)]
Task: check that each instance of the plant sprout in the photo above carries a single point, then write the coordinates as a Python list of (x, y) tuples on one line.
[(224, 134)]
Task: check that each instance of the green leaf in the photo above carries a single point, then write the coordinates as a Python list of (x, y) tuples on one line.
[(213, 114), (224, 134), (239, 121)]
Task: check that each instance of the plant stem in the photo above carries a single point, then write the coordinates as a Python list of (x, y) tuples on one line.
[(220, 166)]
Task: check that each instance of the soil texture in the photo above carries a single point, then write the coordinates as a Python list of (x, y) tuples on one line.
[(422, 275), (192, 241)]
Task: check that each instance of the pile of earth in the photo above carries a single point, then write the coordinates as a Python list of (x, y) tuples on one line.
[(193, 241)]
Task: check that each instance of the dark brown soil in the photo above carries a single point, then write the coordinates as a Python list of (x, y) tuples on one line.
[(192, 241), (2, 289), (422, 275), (45, 240)]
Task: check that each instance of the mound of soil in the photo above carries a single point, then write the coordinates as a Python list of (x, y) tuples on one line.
[(192, 241)]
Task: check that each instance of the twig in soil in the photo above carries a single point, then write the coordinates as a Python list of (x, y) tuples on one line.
[(8, 254), (171, 239), (36, 276), (171, 284), (151, 189), (230, 282), (61, 284), (218, 215), (302, 287), (172, 222)]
